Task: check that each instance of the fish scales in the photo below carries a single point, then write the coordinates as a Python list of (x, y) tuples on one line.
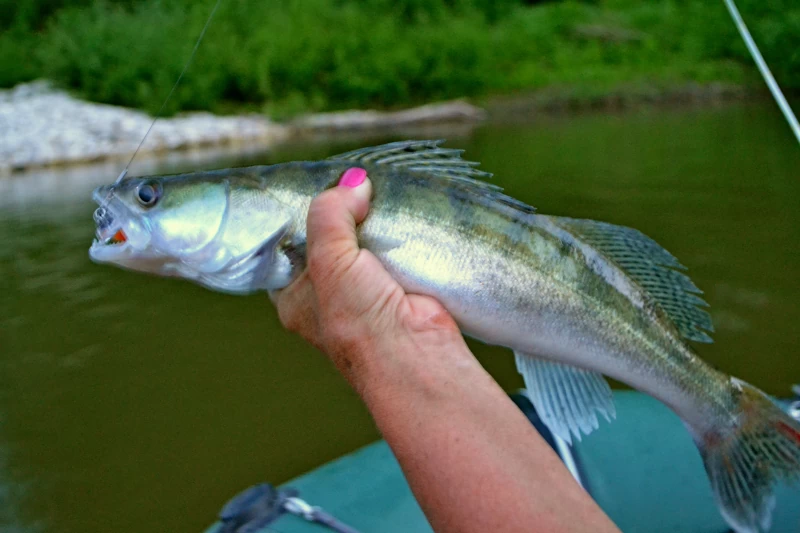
[(574, 299)]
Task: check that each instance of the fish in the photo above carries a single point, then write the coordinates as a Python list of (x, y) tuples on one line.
[(576, 300)]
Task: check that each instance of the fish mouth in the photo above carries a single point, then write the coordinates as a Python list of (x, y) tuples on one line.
[(109, 244), (112, 232), (109, 230)]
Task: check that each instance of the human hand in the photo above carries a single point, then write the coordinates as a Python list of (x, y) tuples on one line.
[(346, 304)]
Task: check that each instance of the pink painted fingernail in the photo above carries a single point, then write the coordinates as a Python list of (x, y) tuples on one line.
[(353, 177)]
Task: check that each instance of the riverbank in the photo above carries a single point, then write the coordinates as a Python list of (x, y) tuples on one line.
[(41, 126)]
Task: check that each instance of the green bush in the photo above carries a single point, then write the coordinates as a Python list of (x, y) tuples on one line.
[(288, 57), (16, 63)]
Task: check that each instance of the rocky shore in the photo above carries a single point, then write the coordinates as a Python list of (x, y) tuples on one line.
[(41, 126)]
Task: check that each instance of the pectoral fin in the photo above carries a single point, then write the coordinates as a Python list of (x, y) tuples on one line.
[(566, 397)]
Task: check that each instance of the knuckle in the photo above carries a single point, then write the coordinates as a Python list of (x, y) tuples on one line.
[(442, 322), (431, 316)]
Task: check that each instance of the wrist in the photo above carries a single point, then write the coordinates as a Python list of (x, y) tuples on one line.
[(406, 367)]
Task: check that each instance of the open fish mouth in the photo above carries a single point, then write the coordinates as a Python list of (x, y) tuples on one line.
[(112, 241), (109, 228), (111, 244)]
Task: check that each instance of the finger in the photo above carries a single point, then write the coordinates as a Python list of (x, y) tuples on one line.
[(331, 224), (428, 314), (296, 305)]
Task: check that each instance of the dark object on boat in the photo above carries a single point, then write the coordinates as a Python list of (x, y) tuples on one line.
[(643, 470), (253, 509)]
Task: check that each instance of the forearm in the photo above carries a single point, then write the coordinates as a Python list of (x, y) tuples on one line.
[(463, 444)]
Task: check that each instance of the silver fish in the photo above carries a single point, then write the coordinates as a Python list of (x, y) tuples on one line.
[(574, 299)]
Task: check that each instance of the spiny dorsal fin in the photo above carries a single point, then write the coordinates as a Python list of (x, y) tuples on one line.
[(430, 158), (420, 155), (653, 268), (566, 398)]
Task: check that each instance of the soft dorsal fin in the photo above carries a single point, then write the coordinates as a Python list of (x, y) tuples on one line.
[(566, 398), (430, 159), (653, 268)]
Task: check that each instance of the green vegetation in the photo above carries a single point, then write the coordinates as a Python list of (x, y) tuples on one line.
[(286, 57)]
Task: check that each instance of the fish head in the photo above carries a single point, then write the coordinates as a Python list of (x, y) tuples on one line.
[(185, 226), (149, 223)]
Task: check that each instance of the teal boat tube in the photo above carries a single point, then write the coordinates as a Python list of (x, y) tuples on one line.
[(643, 470)]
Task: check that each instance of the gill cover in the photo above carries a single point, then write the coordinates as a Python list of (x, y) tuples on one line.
[(187, 219), (164, 233)]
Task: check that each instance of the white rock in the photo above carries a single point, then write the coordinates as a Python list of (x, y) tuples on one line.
[(41, 126)]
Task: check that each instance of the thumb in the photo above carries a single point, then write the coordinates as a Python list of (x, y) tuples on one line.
[(331, 224)]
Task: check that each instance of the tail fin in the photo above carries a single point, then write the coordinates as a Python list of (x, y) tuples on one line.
[(744, 460)]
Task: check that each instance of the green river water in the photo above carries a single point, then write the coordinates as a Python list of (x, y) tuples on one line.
[(130, 403)]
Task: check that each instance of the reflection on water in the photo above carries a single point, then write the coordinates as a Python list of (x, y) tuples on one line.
[(133, 403)]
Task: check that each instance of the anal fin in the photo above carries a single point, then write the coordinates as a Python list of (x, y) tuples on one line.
[(567, 398)]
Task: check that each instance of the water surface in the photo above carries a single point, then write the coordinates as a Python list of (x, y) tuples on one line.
[(132, 403)]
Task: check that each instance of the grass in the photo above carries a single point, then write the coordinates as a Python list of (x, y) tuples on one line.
[(317, 55)]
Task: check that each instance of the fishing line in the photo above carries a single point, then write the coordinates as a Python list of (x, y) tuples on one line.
[(180, 77), (765, 72)]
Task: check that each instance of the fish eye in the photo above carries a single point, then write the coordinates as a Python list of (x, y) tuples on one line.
[(148, 193)]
